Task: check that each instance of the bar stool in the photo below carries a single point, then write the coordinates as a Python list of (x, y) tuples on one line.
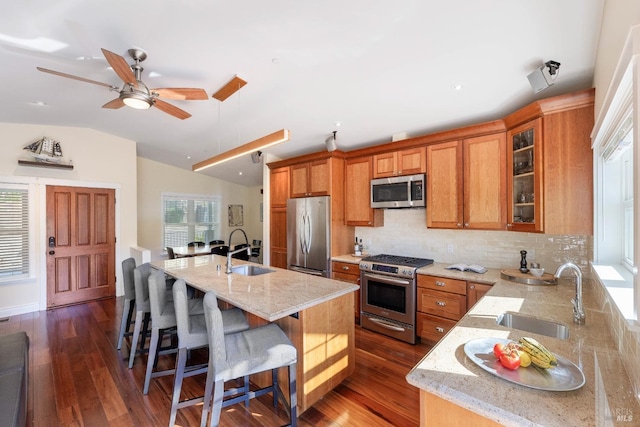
[(242, 354), (143, 309), (192, 334), (129, 300)]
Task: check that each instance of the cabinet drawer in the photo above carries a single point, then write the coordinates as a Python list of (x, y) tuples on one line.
[(343, 269), (433, 328), (444, 304), (442, 284)]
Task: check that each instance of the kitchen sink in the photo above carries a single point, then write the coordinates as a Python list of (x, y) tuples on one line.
[(250, 270), (535, 325)]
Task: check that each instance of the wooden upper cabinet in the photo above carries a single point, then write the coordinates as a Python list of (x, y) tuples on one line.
[(311, 179), (357, 198), (524, 168), (404, 162), (444, 185), (466, 183), (279, 187), (568, 172), (485, 182)]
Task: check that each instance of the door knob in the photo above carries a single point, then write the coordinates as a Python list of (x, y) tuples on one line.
[(52, 252)]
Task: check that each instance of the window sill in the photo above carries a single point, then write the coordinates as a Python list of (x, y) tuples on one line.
[(618, 283)]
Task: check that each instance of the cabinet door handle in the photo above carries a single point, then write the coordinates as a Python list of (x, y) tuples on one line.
[(344, 267), (466, 224), (440, 283), (472, 286), (458, 225), (439, 329), (441, 303)]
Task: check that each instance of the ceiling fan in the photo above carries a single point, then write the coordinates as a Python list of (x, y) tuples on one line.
[(134, 92)]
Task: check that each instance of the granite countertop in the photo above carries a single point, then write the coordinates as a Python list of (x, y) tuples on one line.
[(448, 373), (270, 296), (348, 258)]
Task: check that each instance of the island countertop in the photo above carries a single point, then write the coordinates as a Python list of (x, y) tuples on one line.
[(270, 296), (607, 398)]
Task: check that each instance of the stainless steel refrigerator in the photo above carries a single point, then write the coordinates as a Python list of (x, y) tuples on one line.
[(309, 235)]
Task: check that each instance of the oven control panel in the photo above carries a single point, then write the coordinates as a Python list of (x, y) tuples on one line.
[(390, 270)]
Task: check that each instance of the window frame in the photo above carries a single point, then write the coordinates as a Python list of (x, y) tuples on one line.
[(9, 183), (191, 222)]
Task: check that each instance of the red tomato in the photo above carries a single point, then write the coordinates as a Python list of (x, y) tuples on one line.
[(510, 360), (498, 350)]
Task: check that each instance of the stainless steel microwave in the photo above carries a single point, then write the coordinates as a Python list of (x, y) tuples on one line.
[(399, 192)]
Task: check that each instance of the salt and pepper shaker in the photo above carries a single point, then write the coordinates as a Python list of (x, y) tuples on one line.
[(523, 262)]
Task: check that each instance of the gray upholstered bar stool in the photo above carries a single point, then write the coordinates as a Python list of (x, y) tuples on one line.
[(192, 334), (241, 354), (143, 309), (129, 299)]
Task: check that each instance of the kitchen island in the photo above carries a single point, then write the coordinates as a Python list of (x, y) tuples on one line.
[(316, 314), (455, 391)]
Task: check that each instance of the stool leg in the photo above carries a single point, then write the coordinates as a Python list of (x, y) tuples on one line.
[(151, 359), (274, 385), (208, 391), (218, 395), (181, 363), (293, 400), (136, 336), (127, 308)]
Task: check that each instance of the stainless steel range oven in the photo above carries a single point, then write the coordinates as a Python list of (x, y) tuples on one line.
[(388, 295)]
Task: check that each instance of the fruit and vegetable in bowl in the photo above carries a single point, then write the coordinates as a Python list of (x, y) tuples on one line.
[(526, 352)]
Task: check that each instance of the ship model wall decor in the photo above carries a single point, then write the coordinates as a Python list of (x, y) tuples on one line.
[(45, 152)]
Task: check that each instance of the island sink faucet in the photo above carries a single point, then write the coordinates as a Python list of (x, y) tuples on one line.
[(248, 249), (578, 309)]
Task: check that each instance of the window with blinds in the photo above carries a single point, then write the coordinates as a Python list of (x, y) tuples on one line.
[(14, 232), (189, 218)]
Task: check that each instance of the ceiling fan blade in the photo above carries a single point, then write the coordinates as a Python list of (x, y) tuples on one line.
[(114, 104), (70, 76), (171, 109), (183, 93), (120, 66)]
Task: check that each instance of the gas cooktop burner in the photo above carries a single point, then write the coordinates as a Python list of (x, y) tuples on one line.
[(399, 260)]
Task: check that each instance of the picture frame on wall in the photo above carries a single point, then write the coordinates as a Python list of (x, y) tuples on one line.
[(235, 216)]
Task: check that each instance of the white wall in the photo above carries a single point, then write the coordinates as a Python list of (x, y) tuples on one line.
[(100, 160), (618, 17), (154, 178)]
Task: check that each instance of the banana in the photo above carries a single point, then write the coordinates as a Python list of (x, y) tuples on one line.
[(540, 356)]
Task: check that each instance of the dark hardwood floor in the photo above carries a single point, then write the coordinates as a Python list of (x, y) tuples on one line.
[(78, 378)]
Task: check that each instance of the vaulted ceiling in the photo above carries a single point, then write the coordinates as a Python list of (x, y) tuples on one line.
[(378, 68)]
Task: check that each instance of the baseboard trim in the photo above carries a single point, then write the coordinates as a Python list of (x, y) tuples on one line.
[(17, 310)]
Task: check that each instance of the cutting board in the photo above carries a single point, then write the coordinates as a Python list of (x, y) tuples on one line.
[(514, 275)]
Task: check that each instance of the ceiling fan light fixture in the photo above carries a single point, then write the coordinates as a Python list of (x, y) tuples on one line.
[(137, 100), (257, 145)]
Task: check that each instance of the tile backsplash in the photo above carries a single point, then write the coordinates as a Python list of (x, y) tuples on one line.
[(405, 233)]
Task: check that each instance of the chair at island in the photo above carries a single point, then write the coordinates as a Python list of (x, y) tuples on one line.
[(129, 300), (192, 334), (231, 356)]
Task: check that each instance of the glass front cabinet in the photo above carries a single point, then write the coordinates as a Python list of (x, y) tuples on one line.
[(524, 169)]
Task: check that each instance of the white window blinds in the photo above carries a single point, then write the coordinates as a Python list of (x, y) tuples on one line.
[(190, 218), (14, 231)]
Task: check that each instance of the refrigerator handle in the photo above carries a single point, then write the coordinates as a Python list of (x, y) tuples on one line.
[(303, 226), (308, 232)]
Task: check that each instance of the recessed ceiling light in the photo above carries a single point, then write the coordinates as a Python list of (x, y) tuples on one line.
[(239, 173), (275, 61), (457, 86), (338, 124), (38, 103), (188, 157)]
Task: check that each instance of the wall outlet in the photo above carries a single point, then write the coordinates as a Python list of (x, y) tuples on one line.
[(450, 248)]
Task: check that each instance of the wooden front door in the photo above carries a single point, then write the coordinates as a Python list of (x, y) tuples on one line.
[(80, 244)]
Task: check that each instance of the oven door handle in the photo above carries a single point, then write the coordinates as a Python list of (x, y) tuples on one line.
[(387, 279), (387, 324)]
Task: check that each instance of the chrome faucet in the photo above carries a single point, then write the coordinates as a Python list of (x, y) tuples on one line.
[(248, 249), (578, 309)]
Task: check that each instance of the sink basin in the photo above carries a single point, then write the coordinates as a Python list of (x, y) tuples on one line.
[(532, 324), (250, 270)]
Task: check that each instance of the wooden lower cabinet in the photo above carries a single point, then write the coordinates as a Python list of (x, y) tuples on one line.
[(324, 336), (279, 237), (475, 291), (436, 411), (442, 304), (348, 272), (431, 327)]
